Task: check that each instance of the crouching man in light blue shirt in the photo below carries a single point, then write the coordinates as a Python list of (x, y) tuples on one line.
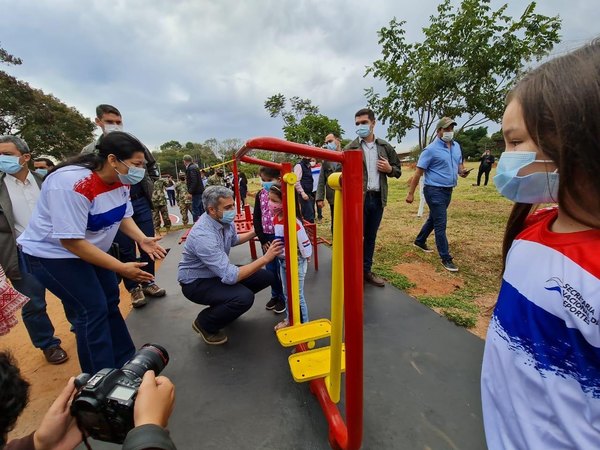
[(206, 275)]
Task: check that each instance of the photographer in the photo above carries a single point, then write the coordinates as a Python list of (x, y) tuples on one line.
[(58, 429)]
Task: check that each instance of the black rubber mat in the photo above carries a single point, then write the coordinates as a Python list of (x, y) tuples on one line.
[(421, 379)]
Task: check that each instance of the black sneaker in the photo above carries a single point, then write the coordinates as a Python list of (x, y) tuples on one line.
[(272, 303), (210, 338), (423, 247), (450, 266), (280, 307)]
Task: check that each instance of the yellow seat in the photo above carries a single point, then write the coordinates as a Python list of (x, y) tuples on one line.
[(306, 332), (313, 364)]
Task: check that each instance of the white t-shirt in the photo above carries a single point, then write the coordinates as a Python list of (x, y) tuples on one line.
[(540, 381), (75, 204)]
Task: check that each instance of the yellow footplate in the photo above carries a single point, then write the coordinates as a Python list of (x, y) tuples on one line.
[(313, 364), (306, 332)]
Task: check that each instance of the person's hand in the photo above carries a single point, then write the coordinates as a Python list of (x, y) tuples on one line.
[(410, 197), (266, 246), (304, 196), (132, 271), (189, 196), (58, 429), (383, 165), (154, 402), (320, 203), (464, 173), (150, 246), (274, 250)]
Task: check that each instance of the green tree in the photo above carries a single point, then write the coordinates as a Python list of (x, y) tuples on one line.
[(48, 125), (170, 144), (468, 60), (469, 141), (301, 121)]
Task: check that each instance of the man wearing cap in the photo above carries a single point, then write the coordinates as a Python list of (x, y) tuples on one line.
[(441, 163)]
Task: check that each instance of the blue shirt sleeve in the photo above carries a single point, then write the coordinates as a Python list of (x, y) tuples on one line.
[(424, 159), (208, 247)]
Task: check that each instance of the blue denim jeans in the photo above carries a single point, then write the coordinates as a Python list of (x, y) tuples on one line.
[(35, 317), (307, 208), (226, 302), (438, 200), (142, 216), (92, 293), (302, 266), (273, 267), (372, 215), (197, 208)]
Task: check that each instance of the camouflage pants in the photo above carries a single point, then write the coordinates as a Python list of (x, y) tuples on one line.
[(184, 208), (159, 211)]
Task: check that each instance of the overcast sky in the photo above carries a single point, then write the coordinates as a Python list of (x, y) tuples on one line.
[(191, 70)]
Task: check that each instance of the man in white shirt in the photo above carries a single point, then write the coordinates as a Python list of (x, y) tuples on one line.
[(19, 191)]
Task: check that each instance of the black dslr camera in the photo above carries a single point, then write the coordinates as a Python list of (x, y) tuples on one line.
[(103, 405)]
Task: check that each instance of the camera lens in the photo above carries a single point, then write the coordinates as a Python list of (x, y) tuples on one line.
[(149, 357)]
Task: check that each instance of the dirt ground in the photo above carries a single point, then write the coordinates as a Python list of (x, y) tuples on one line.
[(46, 380), (432, 283)]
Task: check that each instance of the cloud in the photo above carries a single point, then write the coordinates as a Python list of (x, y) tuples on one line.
[(196, 69)]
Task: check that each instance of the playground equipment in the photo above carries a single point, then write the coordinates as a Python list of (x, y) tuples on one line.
[(322, 367)]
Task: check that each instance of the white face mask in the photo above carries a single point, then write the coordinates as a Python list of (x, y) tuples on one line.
[(110, 127), (447, 136)]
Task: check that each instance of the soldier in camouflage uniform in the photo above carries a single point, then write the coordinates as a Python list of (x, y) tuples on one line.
[(183, 200), (159, 201), (218, 179)]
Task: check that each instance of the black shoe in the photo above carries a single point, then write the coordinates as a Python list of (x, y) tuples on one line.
[(55, 355), (280, 307), (450, 266), (272, 303), (210, 338), (423, 247)]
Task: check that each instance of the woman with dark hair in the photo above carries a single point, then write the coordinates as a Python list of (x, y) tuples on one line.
[(82, 204), (540, 381)]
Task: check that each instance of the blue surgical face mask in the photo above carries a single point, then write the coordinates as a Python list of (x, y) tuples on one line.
[(537, 187), (267, 185), (133, 176), (363, 130), (332, 145), (42, 172), (10, 164), (228, 216)]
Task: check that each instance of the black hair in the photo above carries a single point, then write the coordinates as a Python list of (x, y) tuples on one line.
[(276, 189), (14, 394), (48, 161), (366, 112), (269, 172), (122, 145), (106, 109)]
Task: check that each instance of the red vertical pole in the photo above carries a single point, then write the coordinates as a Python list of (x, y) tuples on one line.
[(236, 187), (287, 168), (352, 175)]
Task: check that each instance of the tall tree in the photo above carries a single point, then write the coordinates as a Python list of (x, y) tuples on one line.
[(48, 125), (468, 60), (301, 120)]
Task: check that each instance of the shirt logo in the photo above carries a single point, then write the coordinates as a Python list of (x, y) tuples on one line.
[(573, 301)]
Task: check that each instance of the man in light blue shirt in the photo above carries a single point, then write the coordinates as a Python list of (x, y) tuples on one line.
[(441, 163), (206, 275)]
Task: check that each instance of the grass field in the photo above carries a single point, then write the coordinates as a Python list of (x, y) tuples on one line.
[(476, 220)]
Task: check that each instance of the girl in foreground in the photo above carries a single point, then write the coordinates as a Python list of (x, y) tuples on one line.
[(540, 380)]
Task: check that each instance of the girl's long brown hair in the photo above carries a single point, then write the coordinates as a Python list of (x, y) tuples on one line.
[(561, 109)]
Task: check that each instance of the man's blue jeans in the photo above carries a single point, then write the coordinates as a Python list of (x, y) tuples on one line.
[(226, 302), (438, 200), (92, 293), (197, 208), (307, 208), (35, 317), (373, 213), (142, 216)]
